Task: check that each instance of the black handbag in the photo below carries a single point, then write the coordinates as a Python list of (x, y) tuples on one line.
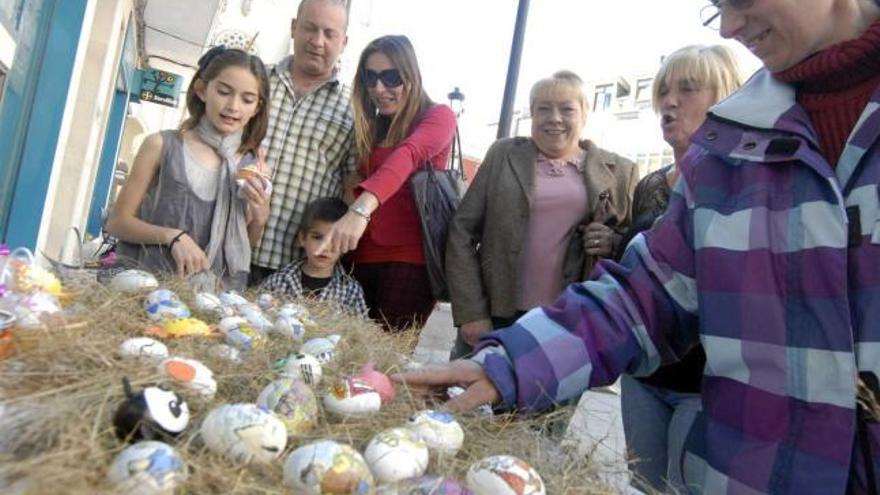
[(437, 194)]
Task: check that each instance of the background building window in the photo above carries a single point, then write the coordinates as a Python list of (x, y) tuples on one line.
[(643, 90), (603, 97)]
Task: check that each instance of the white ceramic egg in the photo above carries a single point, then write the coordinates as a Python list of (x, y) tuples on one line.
[(146, 347), (293, 402), (289, 327), (147, 468), (439, 430), (232, 298), (326, 467), (266, 301), (244, 433), (322, 348), (352, 397), (303, 367), (192, 374), (396, 454), (255, 317), (504, 475), (205, 302), (226, 352), (133, 281)]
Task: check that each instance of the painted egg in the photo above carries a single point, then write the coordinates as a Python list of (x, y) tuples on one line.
[(303, 367), (293, 309), (293, 402), (149, 414), (289, 327), (167, 310), (424, 485), (327, 467), (322, 348), (208, 303), (143, 347), (226, 352), (352, 397), (191, 374), (231, 323), (160, 295), (181, 327), (147, 468), (133, 281), (396, 454), (266, 301), (232, 298), (254, 315), (245, 338), (378, 381), (504, 475), (244, 433), (439, 430)]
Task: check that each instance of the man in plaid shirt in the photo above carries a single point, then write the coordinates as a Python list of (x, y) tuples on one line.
[(310, 136)]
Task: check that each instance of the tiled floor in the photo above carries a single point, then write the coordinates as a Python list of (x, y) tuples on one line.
[(595, 427)]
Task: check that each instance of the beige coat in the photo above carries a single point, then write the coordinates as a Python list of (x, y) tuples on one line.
[(487, 233)]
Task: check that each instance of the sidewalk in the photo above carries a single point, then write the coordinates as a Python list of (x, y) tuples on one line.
[(595, 428)]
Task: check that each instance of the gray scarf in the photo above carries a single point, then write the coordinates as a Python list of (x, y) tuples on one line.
[(229, 245)]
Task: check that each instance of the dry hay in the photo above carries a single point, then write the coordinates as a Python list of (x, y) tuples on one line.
[(58, 398)]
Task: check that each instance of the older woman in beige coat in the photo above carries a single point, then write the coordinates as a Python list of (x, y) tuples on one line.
[(538, 214)]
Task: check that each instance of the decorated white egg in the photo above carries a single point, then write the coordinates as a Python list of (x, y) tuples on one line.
[(205, 302), (231, 323), (226, 352), (134, 281), (147, 468), (191, 374), (266, 301), (245, 338), (293, 309), (293, 402), (327, 467), (232, 298), (289, 327), (255, 317), (424, 485), (303, 367), (504, 475), (146, 347), (244, 433), (160, 295), (396, 454), (352, 397), (439, 430), (148, 414), (322, 348), (169, 309)]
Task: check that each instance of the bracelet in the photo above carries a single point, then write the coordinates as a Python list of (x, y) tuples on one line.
[(360, 211), (176, 238)]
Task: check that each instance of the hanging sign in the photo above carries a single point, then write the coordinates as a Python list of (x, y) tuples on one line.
[(159, 86)]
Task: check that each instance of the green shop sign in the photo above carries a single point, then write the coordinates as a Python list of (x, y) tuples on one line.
[(159, 86)]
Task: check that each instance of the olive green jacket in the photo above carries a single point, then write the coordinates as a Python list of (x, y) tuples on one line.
[(487, 233)]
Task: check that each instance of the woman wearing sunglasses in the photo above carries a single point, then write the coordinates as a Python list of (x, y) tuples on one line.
[(397, 129)]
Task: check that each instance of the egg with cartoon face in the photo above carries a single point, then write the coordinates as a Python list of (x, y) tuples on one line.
[(323, 348), (504, 475), (327, 467), (151, 413), (244, 433), (148, 468), (293, 402), (143, 347), (191, 374), (439, 430), (352, 397), (396, 454), (303, 367)]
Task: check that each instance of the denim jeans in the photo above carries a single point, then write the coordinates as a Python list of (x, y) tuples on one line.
[(656, 422)]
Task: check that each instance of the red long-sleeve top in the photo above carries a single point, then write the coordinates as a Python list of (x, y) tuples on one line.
[(394, 233)]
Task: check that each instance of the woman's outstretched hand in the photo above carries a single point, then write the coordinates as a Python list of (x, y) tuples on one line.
[(464, 373)]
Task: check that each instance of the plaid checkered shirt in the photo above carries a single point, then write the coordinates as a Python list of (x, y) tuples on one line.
[(310, 149), (343, 290)]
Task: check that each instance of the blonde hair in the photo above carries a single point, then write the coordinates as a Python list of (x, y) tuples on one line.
[(370, 128), (712, 67), (561, 83)]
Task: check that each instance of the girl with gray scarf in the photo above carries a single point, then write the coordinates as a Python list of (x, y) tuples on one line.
[(197, 198)]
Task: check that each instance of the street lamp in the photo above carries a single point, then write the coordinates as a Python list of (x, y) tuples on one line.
[(456, 101)]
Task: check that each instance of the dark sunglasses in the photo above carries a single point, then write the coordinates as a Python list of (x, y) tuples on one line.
[(390, 78)]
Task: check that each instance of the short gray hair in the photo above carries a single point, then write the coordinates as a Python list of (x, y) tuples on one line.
[(341, 3)]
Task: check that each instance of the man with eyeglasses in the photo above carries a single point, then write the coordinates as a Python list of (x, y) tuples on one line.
[(310, 137), (768, 254)]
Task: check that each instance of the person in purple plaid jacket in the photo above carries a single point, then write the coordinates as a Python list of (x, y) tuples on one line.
[(768, 254)]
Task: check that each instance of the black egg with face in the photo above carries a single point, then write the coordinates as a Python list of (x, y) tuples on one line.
[(153, 413)]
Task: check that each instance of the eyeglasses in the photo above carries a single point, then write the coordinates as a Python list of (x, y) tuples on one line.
[(710, 15), (390, 78)]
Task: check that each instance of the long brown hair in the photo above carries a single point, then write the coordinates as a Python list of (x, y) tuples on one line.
[(211, 65), (370, 128)]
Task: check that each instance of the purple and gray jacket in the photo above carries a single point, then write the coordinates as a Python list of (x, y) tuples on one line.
[(771, 258)]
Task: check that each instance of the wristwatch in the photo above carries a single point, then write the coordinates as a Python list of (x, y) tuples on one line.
[(360, 211)]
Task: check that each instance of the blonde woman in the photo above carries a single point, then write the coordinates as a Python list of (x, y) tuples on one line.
[(658, 410), (537, 208), (397, 130)]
